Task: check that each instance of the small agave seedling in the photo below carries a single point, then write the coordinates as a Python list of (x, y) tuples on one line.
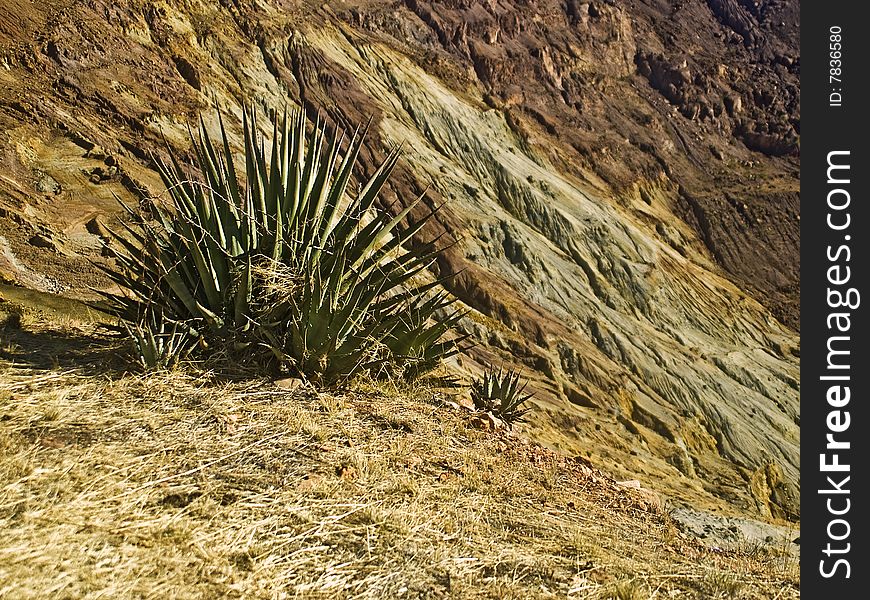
[(501, 392), (157, 345)]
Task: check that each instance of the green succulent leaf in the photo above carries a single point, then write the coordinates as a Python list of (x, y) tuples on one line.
[(284, 260)]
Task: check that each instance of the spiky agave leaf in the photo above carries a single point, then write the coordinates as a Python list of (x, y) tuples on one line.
[(413, 332), (501, 392), (342, 322), (158, 344)]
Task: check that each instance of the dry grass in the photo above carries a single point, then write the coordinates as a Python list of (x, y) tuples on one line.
[(178, 485)]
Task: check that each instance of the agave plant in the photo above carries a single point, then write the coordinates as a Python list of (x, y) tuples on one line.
[(500, 392), (159, 345), (286, 259)]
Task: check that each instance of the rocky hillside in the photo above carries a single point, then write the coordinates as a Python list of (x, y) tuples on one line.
[(622, 177)]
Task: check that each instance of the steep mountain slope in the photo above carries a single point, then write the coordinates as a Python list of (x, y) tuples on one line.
[(622, 178)]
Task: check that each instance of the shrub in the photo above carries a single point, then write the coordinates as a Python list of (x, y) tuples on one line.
[(285, 262), (500, 392)]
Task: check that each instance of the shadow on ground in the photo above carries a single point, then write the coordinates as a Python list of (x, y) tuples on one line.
[(45, 331), (41, 348)]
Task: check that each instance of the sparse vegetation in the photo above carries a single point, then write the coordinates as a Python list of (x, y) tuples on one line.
[(501, 392), (175, 484), (283, 263), (721, 584), (629, 590)]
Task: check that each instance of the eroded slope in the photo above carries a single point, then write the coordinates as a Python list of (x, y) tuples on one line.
[(624, 191)]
